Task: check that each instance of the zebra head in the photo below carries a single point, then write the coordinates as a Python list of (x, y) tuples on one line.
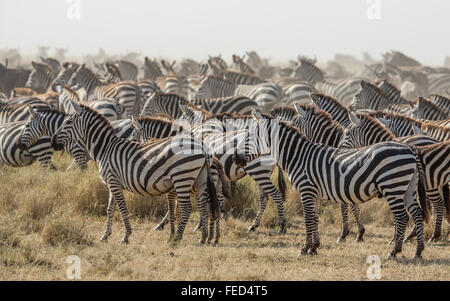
[(70, 129), (32, 130), (137, 134), (351, 137), (40, 77)]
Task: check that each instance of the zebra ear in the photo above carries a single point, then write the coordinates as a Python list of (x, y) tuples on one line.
[(76, 107), (416, 130), (384, 122), (32, 111), (135, 123), (363, 83), (299, 110), (257, 115), (313, 97), (355, 120)]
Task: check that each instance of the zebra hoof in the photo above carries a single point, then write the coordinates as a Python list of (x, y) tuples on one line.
[(340, 239), (417, 258), (282, 230), (104, 239), (390, 256), (312, 252), (433, 240), (159, 227), (251, 228), (359, 239), (124, 241)]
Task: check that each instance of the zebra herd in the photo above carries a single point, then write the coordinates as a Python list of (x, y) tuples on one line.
[(191, 131)]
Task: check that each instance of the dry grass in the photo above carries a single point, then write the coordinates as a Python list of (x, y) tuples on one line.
[(48, 216)]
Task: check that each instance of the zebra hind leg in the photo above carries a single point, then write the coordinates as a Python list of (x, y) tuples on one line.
[(357, 216), (262, 206), (439, 211), (345, 230)]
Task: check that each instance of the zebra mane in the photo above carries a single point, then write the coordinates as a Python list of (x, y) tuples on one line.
[(98, 114), (389, 116), (158, 121), (328, 98), (115, 68), (373, 122), (280, 109), (217, 78), (37, 65), (220, 116), (50, 111), (72, 93), (322, 114), (429, 126)]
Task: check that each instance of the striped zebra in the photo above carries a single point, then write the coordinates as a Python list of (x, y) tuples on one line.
[(18, 112), (425, 109), (365, 131), (238, 105), (125, 93), (347, 176), (112, 74), (128, 70), (338, 112), (297, 91), (441, 101), (174, 166), (14, 154), (342, 89), (372, 97), (318, 126), (285, 113), (239, 78), (241, 65), (220, 133), (41, 77), (216, 87), (41, 125), (108, 107), (170, 104), (439, 83), (392, 92)]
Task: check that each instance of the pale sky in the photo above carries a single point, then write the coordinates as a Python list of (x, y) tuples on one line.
[(277, 29)]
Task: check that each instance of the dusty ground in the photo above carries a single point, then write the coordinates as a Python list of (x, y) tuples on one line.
[(47, 216)]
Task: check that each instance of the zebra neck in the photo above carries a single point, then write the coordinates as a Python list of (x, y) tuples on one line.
[(92, 84), (99, 135), (52, 122), (292, 149)]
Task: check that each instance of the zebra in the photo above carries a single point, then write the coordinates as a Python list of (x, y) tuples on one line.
[(14, 154), (108, 107), (175, 166), (425, 109), (128, 70), (297, 91), (366, 131), (223, 131), (372, 97), (392, 92), (349, 176), (318, 126), (238, 78), (42, 124), (342, 89), (216, 87), (41, 78), (441, 101), (338, 112), (125, 93), (18, 112), (285, 113), (241, 65), (238, 105)]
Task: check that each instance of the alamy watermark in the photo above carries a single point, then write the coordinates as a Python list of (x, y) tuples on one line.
[(373, 9), (374, 270), (74, 269), (73, 10)]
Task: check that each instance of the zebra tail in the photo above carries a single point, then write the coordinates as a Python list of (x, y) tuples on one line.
[(225, 187), (446, 198), (422, 194), (211, 189), (281, 183)]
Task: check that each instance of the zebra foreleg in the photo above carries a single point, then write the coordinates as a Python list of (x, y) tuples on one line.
[(115, 189), (171, 202), (309, 214)]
